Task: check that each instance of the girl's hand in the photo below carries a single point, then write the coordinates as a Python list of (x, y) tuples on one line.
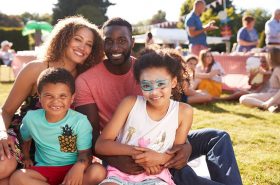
[(75, 175), (148, 157), (27, 163), (153, 170), (6, 142)]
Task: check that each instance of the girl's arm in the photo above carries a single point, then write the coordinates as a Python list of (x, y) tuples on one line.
[(151, 158), (181, 148), (185, 123), (106, 144)]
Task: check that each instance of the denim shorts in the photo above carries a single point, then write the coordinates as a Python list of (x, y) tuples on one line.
[(120, 181)]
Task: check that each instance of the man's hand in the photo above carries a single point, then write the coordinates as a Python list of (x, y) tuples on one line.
[(6, 142), (210, 26), (125, 164), (75, 175), (182, 154)]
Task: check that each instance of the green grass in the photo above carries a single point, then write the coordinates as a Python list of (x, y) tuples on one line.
[(4, 91), (254, 133)]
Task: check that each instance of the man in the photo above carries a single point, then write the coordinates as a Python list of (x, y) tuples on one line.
[(195, 31), (100, 89), (272, 29)]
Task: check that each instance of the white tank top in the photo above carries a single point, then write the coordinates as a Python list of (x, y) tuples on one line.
[(141, 130)]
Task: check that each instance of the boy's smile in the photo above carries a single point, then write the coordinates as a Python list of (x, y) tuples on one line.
[(56, 99)]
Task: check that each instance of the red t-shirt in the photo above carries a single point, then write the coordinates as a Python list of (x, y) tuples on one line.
[(97, 85)]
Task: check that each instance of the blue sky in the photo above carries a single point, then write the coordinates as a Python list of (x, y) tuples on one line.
[(132, 11)]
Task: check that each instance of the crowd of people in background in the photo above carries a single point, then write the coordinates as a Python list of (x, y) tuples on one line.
[(84, 98)]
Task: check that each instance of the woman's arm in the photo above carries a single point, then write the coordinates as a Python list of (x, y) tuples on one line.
[(246, 43), (23, 86), (106, 144)]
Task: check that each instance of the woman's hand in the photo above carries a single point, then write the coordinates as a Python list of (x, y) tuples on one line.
[(6, 142)]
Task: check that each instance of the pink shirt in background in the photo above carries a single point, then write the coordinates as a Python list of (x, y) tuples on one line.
[(97, 85)]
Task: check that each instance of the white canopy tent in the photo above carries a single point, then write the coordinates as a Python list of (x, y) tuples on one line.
[(173, 36)]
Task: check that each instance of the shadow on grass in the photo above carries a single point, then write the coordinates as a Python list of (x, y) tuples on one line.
[(215, 108)]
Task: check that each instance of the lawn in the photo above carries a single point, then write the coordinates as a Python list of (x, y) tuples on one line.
[(254, 133)]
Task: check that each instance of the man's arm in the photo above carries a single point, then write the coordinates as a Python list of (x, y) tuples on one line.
[(193, 32), (91, 111)]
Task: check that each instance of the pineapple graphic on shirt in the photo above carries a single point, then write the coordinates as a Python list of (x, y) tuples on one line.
[(67, 140)]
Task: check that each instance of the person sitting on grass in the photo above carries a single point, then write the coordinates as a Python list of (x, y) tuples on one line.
[(62, 136), (190, 95), (269, 99)]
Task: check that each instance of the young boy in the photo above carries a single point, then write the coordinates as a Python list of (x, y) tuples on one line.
[(62, 136)]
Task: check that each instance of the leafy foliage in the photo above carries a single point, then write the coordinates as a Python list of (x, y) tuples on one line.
[(93, 10)]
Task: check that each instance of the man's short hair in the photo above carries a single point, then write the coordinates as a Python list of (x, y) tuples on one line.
[(117, 21)]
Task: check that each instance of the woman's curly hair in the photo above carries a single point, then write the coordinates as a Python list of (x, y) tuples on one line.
[(61, 35)]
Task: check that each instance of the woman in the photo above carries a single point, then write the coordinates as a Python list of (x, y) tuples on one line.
[(270, 99), (208, 74), (190, 95), (247, 36), (74, 44)]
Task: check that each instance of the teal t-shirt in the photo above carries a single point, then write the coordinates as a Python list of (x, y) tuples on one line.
[(57, 144)]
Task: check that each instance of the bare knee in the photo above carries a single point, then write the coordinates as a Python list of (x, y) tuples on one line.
[(95, 174), (7, 167), (17, 178)]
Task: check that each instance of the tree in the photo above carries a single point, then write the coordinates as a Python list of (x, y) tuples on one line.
[(93, 10), (10, 20), (158, 17)]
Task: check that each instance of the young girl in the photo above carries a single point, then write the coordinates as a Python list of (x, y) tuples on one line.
[(190, 95), (269, 99), (208, 75), (147, 126)]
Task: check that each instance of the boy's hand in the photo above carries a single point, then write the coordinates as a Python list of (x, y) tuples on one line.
[(27, 163), (75, 175), (150, 158)]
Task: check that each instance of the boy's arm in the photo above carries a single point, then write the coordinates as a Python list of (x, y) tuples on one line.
[(76, 173), (26, 153)]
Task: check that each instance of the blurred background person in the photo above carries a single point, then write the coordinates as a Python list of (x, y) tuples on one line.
[(247, 36), (196, 32), (270, 99), (6, 53), (272, 29), (149, 39)]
